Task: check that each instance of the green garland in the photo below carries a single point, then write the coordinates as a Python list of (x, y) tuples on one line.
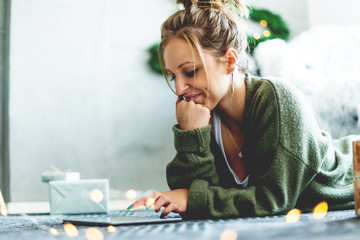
[(275, 24), (277, 27), (154, 58)]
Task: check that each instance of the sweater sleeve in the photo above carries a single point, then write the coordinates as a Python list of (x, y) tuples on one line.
[(193, 160)]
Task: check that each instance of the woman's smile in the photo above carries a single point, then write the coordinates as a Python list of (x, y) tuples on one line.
[(194, 97)]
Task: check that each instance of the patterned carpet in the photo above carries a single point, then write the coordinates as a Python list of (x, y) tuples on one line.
[(335, 225)]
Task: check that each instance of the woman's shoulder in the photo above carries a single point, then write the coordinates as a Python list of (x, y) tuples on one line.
[(281, 95), (286, 109), (276, 93), (270, 86)]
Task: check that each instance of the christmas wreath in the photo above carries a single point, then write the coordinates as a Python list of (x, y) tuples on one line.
[(273, 24)]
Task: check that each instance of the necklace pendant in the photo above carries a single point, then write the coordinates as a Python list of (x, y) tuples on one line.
[(240, 153)]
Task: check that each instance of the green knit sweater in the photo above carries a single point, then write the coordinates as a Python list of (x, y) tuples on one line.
[(291, 162)]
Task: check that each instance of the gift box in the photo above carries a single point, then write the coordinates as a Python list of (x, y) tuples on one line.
[(79, 197)]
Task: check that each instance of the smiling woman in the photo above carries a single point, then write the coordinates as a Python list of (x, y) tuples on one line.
[(246, 146)]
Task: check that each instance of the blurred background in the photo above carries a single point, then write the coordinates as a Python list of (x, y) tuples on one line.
[(82, 96)]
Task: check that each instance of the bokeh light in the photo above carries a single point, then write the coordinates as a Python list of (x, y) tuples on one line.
[(266, 33), (320, 210), (131, 194), (150, 202), (111, 229), (71, 230), (3, 211), (94, 234), (263, 23), (96, 195), (257, 36), (228, 234), (293, 216), (54, 232)]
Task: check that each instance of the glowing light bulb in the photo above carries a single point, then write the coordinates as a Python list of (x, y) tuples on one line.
[(293, 216)]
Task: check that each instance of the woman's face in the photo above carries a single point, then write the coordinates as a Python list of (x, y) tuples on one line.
[(188, 73)]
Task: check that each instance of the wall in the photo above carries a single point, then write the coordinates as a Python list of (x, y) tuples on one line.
[(82, 96), (325, 12), (300, 14), (294, 13)]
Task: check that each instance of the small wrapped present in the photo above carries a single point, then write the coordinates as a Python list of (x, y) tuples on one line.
[(79, 197)]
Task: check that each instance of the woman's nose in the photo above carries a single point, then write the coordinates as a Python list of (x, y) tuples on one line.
[(180, 86)]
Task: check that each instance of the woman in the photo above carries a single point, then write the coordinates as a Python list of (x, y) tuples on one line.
[(245, 146)]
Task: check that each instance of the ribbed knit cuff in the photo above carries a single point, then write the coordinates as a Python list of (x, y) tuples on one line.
[(197, 207), (197, 140)]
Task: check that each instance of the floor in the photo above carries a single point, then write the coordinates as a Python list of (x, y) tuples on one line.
[(334, 225)]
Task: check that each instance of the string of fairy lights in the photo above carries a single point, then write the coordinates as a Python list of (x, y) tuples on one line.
[(266, 33), (99, 233), (267, 25)]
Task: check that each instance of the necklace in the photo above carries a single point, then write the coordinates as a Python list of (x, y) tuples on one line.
[(240, 154)]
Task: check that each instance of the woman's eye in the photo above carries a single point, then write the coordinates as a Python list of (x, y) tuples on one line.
[(191, 74), (170, 77)]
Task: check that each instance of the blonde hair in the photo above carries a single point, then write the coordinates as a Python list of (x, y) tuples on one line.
[(209, 25)]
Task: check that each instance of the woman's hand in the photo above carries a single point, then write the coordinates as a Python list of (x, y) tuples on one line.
[(173, 201), (191, 115)]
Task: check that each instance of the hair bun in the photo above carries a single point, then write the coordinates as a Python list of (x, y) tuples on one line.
[(186, 3), (238, 5)]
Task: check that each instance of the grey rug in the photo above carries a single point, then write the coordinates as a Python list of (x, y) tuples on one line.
[(335, 225)]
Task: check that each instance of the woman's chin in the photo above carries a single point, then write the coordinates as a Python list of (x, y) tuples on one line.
[(203, 101)]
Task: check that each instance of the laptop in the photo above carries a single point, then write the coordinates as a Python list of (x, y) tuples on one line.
[(119, 220)]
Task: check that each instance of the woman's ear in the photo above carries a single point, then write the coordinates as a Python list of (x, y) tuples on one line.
[(231, 59)]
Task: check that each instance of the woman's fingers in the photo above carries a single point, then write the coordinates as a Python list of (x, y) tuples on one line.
[(172, 201), (145, 201), (172, 207), (136, 204), (162, 201), (179, 99)]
